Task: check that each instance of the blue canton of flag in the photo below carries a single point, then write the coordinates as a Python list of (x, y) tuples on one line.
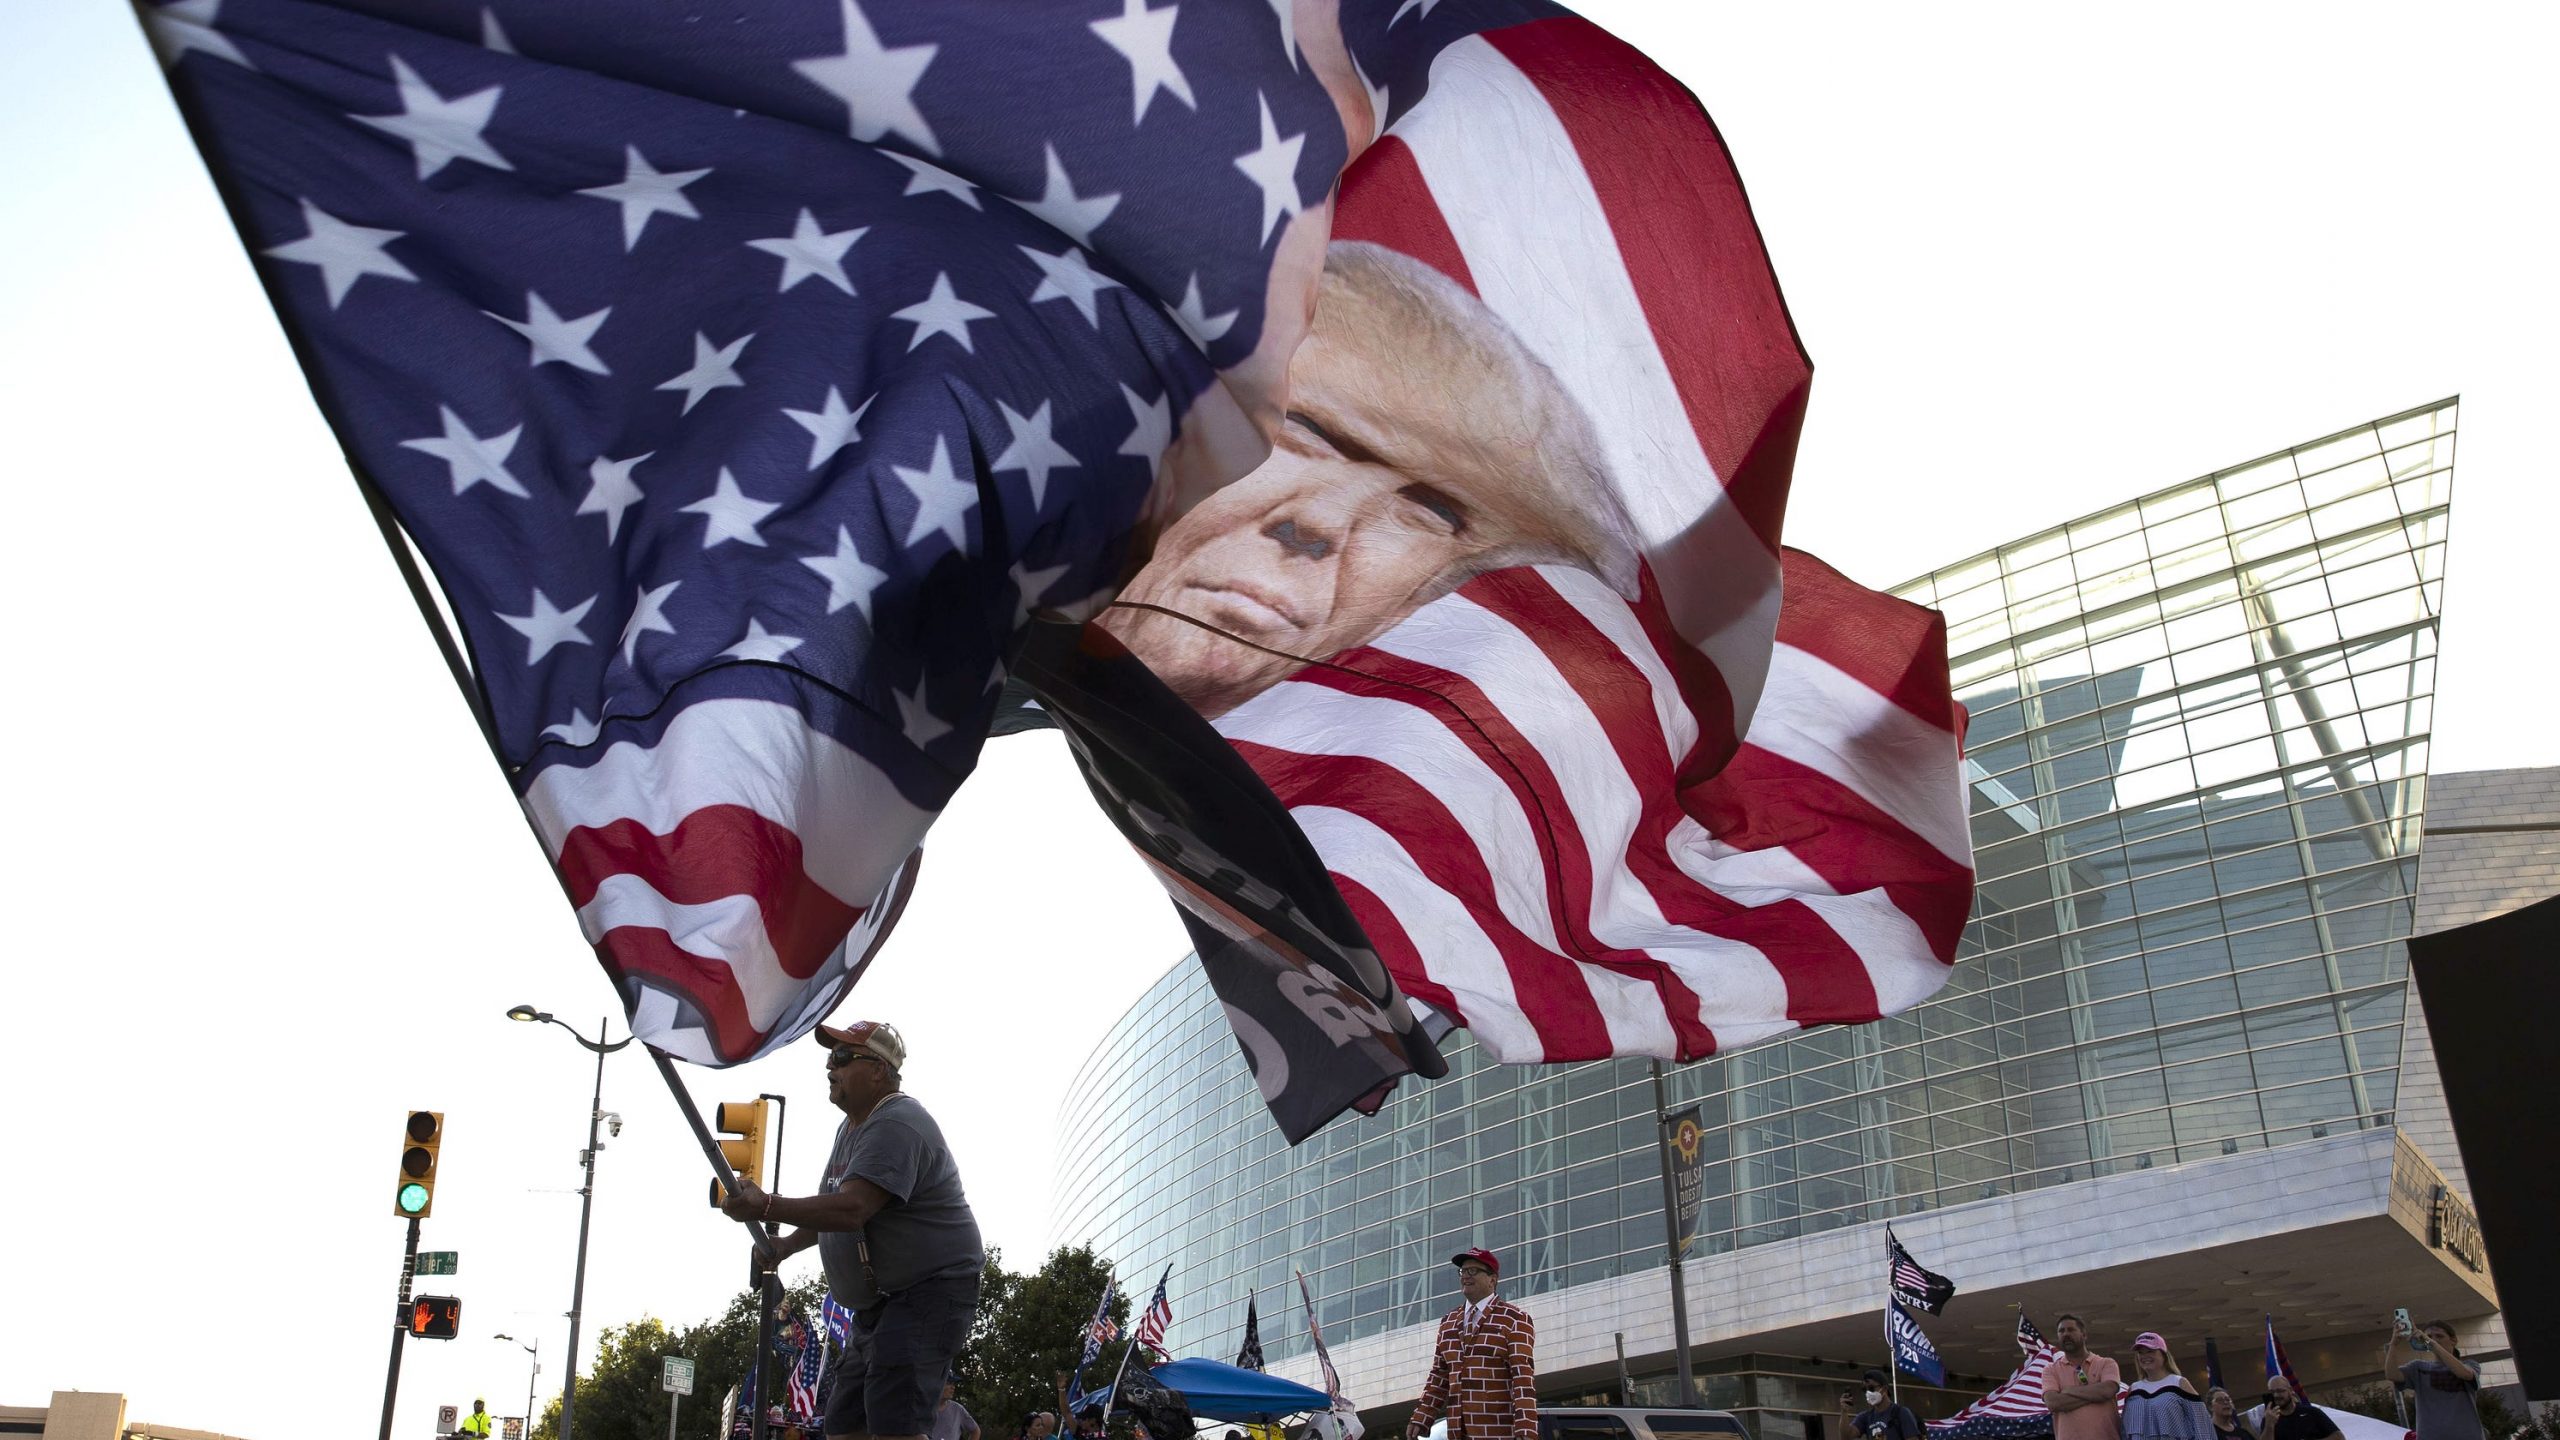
[(745, 392), (1912, 1352)]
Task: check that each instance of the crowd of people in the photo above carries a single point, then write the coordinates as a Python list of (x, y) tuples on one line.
[(2092, 1400)]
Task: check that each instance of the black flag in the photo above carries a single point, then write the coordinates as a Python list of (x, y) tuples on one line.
[(1914, 1286), (1250, 1356)]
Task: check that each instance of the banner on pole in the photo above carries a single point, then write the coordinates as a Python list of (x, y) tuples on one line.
[(1687, 1137)]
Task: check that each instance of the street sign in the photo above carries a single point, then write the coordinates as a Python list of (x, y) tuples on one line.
[(438, 1262), (446, 1415), (677, 1376)]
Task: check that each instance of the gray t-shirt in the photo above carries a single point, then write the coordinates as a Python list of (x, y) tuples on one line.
[(926, 1231), (951, 1420), (2445, 1407)]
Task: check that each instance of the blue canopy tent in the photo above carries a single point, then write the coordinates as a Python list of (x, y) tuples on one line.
[(1219, 1391)]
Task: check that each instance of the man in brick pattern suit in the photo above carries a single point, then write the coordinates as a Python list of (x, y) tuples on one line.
[(1484, 1368)]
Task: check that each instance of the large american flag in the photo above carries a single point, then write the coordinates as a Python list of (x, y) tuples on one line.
[(744, 390), (1583, 826), (2016, 1407)]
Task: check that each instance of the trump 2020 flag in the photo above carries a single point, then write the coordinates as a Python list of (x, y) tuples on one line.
[(1912, 1352), (1407, 379)]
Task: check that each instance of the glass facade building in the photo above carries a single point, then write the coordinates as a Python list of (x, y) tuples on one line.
[(2198, 749)]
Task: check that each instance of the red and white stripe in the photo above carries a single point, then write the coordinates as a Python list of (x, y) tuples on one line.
[(2020, 1397), (1150, 1336), (732, 870), (1584, 827)]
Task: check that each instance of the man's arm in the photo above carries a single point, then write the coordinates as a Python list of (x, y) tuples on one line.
[(1435, 1390), (1524, 1377), (848, 1208)]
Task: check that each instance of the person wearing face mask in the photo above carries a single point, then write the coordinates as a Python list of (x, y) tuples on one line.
[(1882, 1419), (2160, 1404)]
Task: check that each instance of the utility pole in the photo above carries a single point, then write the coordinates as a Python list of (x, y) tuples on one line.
[(1671, 1239), (586, 1210)]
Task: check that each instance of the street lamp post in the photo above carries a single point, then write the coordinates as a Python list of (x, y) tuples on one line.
[(534, 1350), (586, 1196)]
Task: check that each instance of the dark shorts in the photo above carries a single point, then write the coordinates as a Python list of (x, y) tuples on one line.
[(889, 1379)]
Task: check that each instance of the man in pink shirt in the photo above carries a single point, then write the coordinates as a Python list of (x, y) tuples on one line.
[(2080, 1388)]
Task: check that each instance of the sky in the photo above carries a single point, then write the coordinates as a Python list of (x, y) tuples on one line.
[(267, 893)]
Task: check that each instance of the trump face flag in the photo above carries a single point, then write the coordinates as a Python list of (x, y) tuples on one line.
[(1407, 379)]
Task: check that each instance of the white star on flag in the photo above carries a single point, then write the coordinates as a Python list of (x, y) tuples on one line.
[(1032, 586), (876, 83), (439, 131), (493, 36), (556, 340), (1074, 216), (850, 580), (926, 178), (714, 368), (1144, 38), (761, 644), (648, 616), (1033, 450), (188, 25), (611, 490), (730, 513), (546, 626), (1195, 320), (1067, 277), (577, 729), (943, 499), (810, 251), (917, 719), (645, 190), (345, 253), (832, 427), (473, 459), (1154, 428), (1408, 7), (1273, 165), (942, 313)]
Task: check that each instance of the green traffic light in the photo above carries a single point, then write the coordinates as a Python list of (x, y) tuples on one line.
[(413, 1198)]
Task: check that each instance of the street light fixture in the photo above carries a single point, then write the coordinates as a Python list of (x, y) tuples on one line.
[(534, 1350), (586, 1198)]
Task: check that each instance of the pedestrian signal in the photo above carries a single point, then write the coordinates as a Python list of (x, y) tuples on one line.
[(435, 1317), (416, 1194), (746, 1120)]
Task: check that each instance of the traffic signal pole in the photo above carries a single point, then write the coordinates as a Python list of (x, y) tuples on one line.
[(400, 1327)]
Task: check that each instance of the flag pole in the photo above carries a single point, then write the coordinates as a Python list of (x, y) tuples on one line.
[(1673, 1239), (395, 538), (1892, 1360), (1131, 1344)]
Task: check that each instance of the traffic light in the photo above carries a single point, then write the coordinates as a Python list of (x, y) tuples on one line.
[(435, 1317), (744, 1119), (416, 1195)]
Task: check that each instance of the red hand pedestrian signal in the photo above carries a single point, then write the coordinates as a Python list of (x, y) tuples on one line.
[(435, 1317)]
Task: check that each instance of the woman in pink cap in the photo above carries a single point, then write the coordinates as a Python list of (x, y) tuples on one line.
[(2159, 1404)]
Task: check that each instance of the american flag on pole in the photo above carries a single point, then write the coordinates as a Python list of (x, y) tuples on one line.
[(2014, 1409), (746, 396), (1101, 1330), (1150, 1333), (811, 1362), (1913, 1284)]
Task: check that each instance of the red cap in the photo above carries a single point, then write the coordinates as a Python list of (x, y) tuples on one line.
[(1481, 1256)]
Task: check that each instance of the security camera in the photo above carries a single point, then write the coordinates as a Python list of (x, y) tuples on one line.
[(613, 1124)]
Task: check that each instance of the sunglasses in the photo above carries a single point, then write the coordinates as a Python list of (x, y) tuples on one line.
[(844, 1055)]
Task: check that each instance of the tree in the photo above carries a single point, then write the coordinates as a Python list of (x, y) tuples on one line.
[(619, 1397), (1030, 1328)]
